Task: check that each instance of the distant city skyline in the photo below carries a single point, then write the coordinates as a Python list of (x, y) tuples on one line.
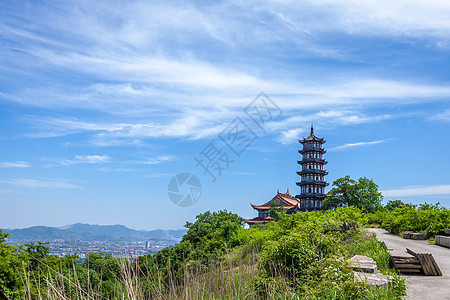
[(102, 104)]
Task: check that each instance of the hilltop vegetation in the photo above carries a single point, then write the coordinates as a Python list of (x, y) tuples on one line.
[(428, 219), (301, 256)]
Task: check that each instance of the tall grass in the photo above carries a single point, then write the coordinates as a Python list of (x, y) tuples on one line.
[(235, 277), (229, 279)]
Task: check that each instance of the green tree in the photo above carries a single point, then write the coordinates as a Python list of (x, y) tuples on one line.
[(393, 204), (11, 286), (362, 193), (212, 233), (276, 210)]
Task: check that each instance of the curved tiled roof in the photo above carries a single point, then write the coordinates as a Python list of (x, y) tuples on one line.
[(287, 201), (258, 220), (312, 137)]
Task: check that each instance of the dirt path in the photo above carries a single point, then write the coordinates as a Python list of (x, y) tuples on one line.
[(419, 286)]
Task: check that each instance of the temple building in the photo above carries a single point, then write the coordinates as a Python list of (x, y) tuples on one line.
[(286, 201), (312, 183)]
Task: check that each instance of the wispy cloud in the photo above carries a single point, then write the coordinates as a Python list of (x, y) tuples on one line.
[(159, 159), (115, 170), (158, 175), (443, 116), (8, 192), (291, 136), (16, 164), (85, 159), (292, 128), (358, 144), (41, 183), (411, 191)]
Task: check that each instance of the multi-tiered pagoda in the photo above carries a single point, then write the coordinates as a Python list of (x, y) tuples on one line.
[(312, 184)]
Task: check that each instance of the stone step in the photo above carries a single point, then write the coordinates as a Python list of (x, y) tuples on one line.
[(417, 236), (363, 263), (442, 240), (375, 280)]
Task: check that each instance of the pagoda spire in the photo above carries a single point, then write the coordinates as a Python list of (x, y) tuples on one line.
[(312, 129)]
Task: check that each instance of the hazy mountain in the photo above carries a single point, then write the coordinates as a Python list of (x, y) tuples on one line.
[(89, 232)]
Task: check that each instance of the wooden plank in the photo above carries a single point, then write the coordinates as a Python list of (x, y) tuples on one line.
[(414, 251), (431, 268), (425, 265), (409, 270), (419, 254), (408, 266), (407, 261), (432, 262), (439, 273), (399, 254)]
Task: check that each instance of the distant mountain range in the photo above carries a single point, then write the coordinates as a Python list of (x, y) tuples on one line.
[(89, 232)]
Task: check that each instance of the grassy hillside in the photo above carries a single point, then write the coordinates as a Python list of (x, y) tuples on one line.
[(301, 256)]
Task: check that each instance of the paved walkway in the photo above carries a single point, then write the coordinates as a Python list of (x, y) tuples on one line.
[(420, 286)]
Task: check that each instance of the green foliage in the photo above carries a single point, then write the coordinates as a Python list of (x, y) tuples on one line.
[(10, 283), (362, 193), (426, 218), (301, 256), (211, 235), (276, 210), (308, 261), (295, 255), (393, 204)]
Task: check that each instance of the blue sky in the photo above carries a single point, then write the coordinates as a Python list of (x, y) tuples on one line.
[(102, 103)]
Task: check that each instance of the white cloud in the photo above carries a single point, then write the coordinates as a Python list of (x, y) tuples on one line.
[(115, 170), (418, 191), (8, 192), (184, 94), (400, 18), (86, 159), (443, 116), (290, 136), (159, 159), (358, 144), (37, 183), (16, 164), (158, 175)]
